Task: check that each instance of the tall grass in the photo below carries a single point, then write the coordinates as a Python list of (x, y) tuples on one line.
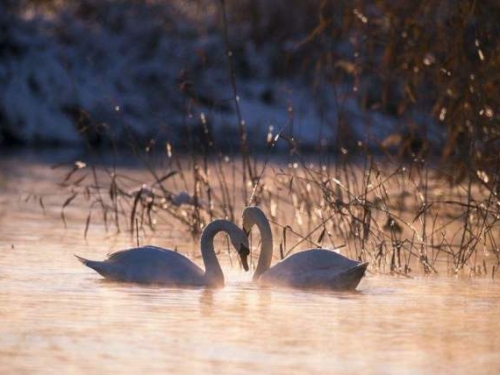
[(405, 217)]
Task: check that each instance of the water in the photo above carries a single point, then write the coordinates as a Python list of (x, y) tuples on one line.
[(57, 314)]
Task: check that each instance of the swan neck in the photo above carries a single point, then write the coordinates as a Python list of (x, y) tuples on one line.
[(266, 251), (213, 270)]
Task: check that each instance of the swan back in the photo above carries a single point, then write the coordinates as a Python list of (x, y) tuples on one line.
[(316, 259)]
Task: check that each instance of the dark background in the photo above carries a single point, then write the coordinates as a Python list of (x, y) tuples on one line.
[(420, 78)]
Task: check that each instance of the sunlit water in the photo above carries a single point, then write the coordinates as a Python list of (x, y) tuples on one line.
[(57, 315)]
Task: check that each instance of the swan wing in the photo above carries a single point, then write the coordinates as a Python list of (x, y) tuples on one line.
[(315, 269), (315, 259), (137, 253), (149, 265), (331, 280)]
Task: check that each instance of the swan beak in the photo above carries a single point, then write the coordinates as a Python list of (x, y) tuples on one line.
[(243, 253)]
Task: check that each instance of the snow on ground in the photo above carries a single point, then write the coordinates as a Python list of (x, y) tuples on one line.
[(133, 72)]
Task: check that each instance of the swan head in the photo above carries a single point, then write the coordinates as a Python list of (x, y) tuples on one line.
[(240, 242)]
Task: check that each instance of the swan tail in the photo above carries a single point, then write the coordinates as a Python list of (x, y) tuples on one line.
[(349, 279), (83, 260), (102, 268)]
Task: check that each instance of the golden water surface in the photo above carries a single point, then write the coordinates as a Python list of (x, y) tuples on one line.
[(59, 316)]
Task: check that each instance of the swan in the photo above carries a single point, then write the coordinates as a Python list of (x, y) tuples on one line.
[(154, 265), (308, 269)]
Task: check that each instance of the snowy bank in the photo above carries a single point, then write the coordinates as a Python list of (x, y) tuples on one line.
[(131, 72)]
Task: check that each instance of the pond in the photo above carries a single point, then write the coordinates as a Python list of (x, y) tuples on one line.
[(58, 314)]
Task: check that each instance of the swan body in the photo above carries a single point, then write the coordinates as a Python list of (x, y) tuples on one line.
[(308, 269), (315, 269), (154, 265)]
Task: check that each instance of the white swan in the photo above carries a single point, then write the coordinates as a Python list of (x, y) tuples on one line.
[(309, 269), (154, 265)]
